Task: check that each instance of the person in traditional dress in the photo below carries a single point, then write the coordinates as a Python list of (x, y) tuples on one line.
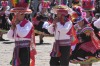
[(43, 11), (61, 27), (89, 9), (22, 31), (4, 12), (87, 50), (39, 28)]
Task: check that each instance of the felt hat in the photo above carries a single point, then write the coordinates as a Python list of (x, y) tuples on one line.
[(63, 12), (88, 5), (21, 6), (61, 9)]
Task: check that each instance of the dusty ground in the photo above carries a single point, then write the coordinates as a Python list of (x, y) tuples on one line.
[(42, 58)]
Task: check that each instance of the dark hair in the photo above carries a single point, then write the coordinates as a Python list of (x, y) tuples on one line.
[(40, 17), (27, 16), (75, 1)]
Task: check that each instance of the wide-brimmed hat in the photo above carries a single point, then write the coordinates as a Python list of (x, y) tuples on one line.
[(21, 6), (88, 5), (62, 9), (63, 12)]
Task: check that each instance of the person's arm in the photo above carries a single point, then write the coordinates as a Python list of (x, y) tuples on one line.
[(53, 26), (51, 29), (23, 31), (10, 34), (97, 23), (8, 20), (45, 25)]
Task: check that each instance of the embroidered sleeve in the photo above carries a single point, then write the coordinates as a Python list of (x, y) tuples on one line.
[(23, 31)]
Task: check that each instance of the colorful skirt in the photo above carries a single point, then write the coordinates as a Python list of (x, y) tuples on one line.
[(85, 53)]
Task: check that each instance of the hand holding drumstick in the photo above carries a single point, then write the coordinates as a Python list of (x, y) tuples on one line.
[(14, 22)]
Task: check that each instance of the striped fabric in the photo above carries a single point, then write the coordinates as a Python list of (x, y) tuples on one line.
[(55, 51), (18, 45)]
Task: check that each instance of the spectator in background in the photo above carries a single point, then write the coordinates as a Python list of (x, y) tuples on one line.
[(4, 12)]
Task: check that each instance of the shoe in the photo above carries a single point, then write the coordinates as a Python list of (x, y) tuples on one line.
[(3, 39)]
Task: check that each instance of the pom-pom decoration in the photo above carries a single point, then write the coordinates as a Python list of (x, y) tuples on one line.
[(20, 3), (21, 6), (77, 12)]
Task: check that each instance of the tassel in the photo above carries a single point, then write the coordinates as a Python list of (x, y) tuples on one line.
[(32, 63)]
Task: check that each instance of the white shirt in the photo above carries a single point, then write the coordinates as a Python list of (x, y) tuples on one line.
[(61, 30), (20, 31), (45, 25), (97, 23)]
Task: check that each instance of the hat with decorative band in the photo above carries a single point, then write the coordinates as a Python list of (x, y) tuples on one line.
[(88, 5), (21, 6)]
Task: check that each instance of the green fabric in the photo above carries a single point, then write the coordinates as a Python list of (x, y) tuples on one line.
[(91, 60), (3, 31)]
